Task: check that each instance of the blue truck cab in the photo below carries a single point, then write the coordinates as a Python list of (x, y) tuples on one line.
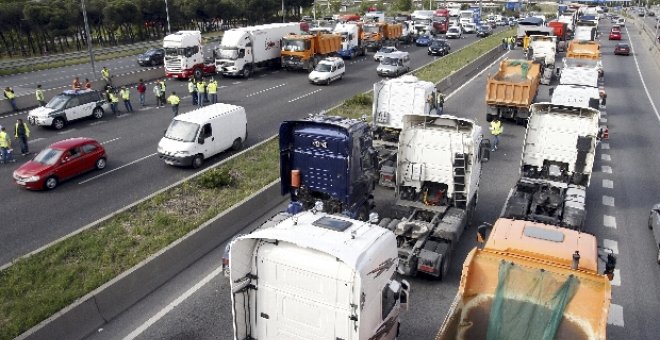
[(331, 160)]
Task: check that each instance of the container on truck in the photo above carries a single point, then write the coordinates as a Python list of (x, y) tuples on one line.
[(316, 276), (303, 52), (584, 53), (351, 40), (243, 50), (184, 56), (393, 99), (437, 179), (578, 86), (331, 160), (511, 91), (531, 281)]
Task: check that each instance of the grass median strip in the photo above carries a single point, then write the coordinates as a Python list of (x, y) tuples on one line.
[(35, 288)]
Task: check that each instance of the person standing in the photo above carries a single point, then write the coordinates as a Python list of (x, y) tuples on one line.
[(88, 84), (75, 85), (441, 103), (201, 92), (212, 89), (105, 74), (141, 88), (192, 89), (163, 91), (41, 99), (504, 44), (11, 97), (5, 144), (114, 102), (157, 94), (126, 97), (174, 100), (22, 133), (496, 130)]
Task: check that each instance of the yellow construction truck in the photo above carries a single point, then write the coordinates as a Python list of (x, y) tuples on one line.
[(531, 281), (584, 53), (511, 91), (304, 51), (377, 34)]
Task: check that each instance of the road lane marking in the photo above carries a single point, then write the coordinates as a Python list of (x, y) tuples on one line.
[(98, 122), (648, 95), (605, 146), (615, 315), (66, 131), (608, 201), (135, 333), (606, 169), (304, 95), (611, 245), (609, 221), (603, 120), (110, 141), (616, 280), (608, 184), (605, 157), (118, 168), (264, 90)]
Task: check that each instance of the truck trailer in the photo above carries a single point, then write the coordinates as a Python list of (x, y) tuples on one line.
[(511, 91), (316, 276), (303, 52), (184, 56), (243, 50)]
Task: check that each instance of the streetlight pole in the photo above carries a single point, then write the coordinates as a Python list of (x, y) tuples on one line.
[(89, 37), (283, 13), (167, 12)]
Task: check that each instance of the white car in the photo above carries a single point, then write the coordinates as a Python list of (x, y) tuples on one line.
[(469, 28), (454, 32), (67, 106), (327, 71), (383, 52)]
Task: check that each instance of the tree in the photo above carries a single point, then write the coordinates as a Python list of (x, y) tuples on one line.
[(403, 5)]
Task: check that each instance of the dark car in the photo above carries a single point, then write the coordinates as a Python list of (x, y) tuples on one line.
[(651, 14), (60, 161), (439, 47), (622, 49), (424, 40), (154, 56), (654, 224), (484, 31)]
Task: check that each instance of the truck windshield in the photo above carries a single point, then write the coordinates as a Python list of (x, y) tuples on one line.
[(225, 52), (58, 102), (182, 131), (293, 45), (371, 28), (174, 51)]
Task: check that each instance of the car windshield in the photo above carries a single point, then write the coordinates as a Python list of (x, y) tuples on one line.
[(438, 44), (182, 131), (152, 51), (322, 68), (386, 50), (48, 156), (453, 30), (58, 102), (390, 61), (622, 46), (424, 37)]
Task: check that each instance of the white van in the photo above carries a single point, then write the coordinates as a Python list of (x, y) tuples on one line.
[(197, 135), (394, 64)]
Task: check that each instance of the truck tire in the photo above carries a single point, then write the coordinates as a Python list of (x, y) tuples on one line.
[(198, 73), (384, 222), (363, 213), (392, 225), (247, 71), (444, 266)]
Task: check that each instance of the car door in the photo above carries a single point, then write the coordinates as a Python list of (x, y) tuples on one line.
[(340, 69), (71, 163), (206, 135), (70, 108), (87, 104), (90, 155)]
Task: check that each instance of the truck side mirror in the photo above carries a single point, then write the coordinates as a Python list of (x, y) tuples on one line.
[(200, 140), (484, 150)]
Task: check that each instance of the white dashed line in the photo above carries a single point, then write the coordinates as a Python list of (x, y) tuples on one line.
[(236, 83), (303, 96), (611, 245), (605, 146), (66, 131), (615, 316), (608, 201), (110, 141), (616, 280), (609, 221), (264, 90), (98, 122), (606, 169), (608, 184), (605, 157), (115, 169), (603, 120)]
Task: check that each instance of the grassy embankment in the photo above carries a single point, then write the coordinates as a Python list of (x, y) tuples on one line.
[(35, 288)]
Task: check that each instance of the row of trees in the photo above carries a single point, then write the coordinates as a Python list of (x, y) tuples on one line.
[(40, 27)]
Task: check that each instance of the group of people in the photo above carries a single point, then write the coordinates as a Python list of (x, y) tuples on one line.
[(508, 43), (200, 91), (21, 134)]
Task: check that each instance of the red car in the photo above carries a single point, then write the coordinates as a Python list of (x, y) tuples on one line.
[(60, 161), (615, 35), (622, 49)]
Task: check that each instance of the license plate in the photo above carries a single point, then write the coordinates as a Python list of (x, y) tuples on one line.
[(20, 182)]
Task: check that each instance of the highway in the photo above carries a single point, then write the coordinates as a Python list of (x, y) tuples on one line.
[(196, 303), (33, 219)]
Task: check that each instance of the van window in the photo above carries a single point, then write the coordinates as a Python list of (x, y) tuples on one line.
[(206, 131), (389, 301)]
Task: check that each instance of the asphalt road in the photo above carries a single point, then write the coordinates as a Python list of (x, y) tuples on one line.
[(196, 303), (33, 219)]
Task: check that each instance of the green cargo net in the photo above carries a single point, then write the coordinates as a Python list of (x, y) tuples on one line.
[(524, 67), (530, 304)]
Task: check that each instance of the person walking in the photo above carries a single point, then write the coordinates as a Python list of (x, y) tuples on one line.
[(141, 88), (174, 100), (441, 103), (156, 92), (212, 90), (88, 84), (201, 92), (41, 99), (105, 74), (22, 133), (6, 155), (114, 102), (504, 44), (496, 130), (192, 89), (126, 97), (11, 97)]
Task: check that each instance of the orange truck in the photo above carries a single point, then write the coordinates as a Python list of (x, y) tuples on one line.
[(306, 50), (583, 49), (531, 281), (376, 35), (511, 91)]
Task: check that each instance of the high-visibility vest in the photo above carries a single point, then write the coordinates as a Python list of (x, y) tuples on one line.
[(113, 98), (10, 94), (496, 127), (213, 87), (191, 87), (162, 86), (200, 87), (125, 94), (105, 73), (25, 127), (4, 140), (40, 94), (173, 99)]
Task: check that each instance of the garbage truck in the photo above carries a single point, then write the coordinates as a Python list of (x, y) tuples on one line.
[(316, 276), (511, 91), (304, 51)]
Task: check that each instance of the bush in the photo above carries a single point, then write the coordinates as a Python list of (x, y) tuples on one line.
[(359, 99), (216, 178)]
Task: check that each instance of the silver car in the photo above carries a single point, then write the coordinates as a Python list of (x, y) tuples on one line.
[(385, 51), (394, 65), (654, 224)]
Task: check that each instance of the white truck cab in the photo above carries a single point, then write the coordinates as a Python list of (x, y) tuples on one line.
[(197, 135), (327, 71)]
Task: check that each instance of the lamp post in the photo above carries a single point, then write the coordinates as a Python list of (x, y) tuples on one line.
[(167, 13), (283, 13), (88, 37)]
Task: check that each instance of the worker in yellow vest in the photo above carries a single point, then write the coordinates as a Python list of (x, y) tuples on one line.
[(114, 102), (41, 99), (174, 100), (105, 74), (212, 89), (126, 97), (11, 97), (496, 130), (201, 92), (6, 154)]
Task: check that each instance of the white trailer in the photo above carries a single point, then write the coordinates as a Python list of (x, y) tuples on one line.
[(242, 50), (316, 276), (395, 98)]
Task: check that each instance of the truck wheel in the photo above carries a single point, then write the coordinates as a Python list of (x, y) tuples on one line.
[(198, 73), (237, 145), (246, 71), (384, 222), (444, 267), (521, 121), (197, 161), (363, 213), (392, 225)]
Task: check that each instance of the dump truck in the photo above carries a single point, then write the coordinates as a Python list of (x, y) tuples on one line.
[(393, 99), (303, 52), (512, 89), (329, 160), (558, 155), (584, 53), (531, 281), (316, 276), (542, 49), (376, 34), (437, 179), (352, 44), (244, 50)]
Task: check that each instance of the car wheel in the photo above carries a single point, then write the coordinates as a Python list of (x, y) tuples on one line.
[(51, 183), (197, 161), (58, 123), (327, 82), (97, 113), (237, 145), (100, 163)]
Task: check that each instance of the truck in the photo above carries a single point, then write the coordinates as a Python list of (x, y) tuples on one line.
[(560, 30), (330, 160), (531, 281), (511, 91), (304, 51), (316, 276), (376, 35), (558, 155), (585, 30), (440, 21), (543, 49), (351, 40), (243, 50), (584, 53), (393, 99), (184, 56), (578, 86), (437, 179)]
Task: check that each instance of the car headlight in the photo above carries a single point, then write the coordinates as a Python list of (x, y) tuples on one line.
[(33, 178)]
